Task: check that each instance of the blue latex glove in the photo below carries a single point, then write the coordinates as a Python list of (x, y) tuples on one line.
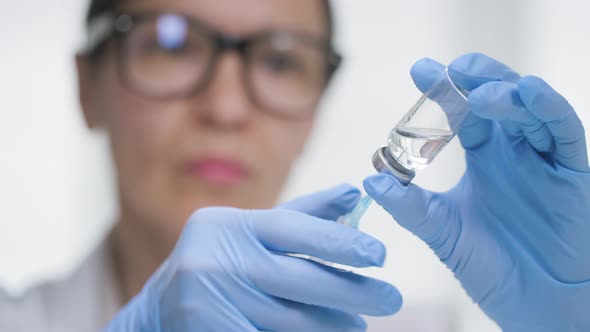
[(229, 272), (516, 229)]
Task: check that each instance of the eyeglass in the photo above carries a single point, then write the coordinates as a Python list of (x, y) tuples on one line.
[(166, 56)]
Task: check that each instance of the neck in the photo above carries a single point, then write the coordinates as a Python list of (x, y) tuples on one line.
[(137, 252)]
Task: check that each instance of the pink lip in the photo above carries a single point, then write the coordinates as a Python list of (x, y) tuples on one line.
[(217, 171)]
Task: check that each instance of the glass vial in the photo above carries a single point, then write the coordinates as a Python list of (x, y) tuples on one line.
[(424, 131)]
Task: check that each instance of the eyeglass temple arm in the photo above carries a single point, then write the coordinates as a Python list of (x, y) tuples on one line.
[(99, 29)]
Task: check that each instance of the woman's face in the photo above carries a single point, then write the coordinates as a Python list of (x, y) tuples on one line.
[(216, 147)]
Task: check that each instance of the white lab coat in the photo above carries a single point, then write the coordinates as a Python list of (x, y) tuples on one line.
[(88, 299)]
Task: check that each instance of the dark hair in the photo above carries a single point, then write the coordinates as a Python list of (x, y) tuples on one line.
[(98, 7)]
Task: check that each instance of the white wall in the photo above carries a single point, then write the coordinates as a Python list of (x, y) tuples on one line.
[(47, 157), (55, 188)]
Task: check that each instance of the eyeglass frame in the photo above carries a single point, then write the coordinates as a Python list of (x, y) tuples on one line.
[(118, 24)]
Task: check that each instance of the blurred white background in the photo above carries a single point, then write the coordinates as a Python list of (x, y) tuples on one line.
[(56, 192)]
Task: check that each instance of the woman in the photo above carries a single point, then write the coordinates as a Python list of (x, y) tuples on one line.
[(208, 103), (208, 106)]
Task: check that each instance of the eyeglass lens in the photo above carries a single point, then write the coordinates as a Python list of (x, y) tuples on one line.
[(168, 56)]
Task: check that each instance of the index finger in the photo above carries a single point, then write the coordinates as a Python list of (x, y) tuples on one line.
[(472, 70), (328, 204), (308, 282), (297, 233)]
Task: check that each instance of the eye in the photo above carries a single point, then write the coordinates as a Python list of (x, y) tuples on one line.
[(281, 62), (176, 47), (189, 47), (155, 47)]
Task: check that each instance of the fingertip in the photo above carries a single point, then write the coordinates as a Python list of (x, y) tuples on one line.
[(364, 250), (531, 89), (346, 188), (360, 323), (392, 301), (477, 99), (466, 62), (427, 64), (397, 301), (531, 81), (463, 71), (348, 198), (425, 72), (377, 252), (379, 184), (472, 70), (345, 198), (495, 100)]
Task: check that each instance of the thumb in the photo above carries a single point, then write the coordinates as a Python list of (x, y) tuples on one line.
[(328, 204), (414, 208)]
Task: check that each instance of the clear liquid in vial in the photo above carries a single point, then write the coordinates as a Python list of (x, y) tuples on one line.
[(415, 148)]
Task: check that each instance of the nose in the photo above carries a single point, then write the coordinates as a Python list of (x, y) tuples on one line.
[(225, 103)]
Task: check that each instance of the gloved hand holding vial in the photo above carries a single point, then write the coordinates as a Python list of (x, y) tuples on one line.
[(514, 230)]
